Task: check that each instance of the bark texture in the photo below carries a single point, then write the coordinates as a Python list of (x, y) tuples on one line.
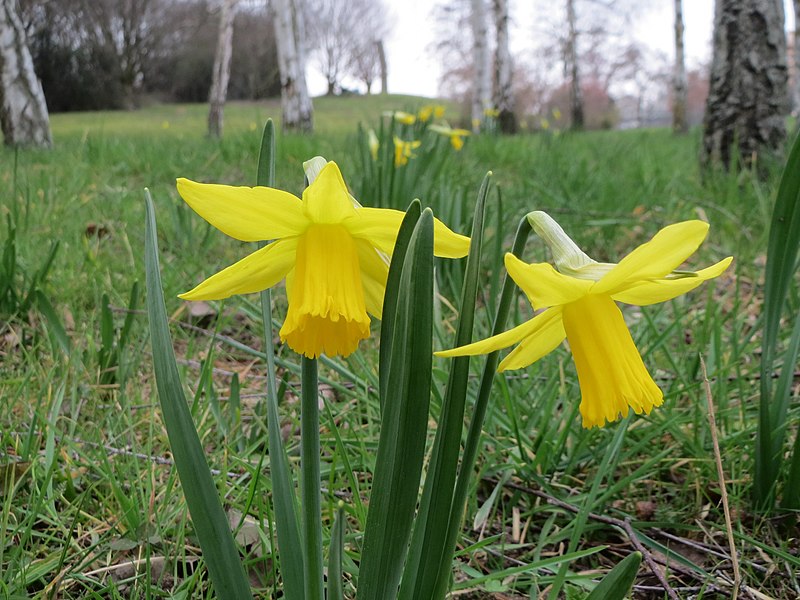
[(23, 111), (222, 68), (748, 97), (503, 70), (298, 113), (796, 57), (680, 86), (482, 77), (575, 92)]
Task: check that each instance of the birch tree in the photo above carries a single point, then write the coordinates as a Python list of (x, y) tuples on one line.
[(571, 66), (23, 111), (680, 123), (482, 82), (796, 52), (748, 96), (298, 112), (503, 69), (222, 68)]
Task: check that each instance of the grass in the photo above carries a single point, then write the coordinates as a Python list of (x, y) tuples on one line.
[(89, 504)]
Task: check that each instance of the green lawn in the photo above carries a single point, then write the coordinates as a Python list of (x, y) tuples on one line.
[(89, 504)]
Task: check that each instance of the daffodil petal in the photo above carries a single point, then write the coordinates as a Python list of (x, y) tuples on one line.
[(245, 213), (543, 285), (654, 259), (508, 338), (327, 200), (661, 290), (379, 226), (258, 271), (447, 243), (374, 272), (538, 344)]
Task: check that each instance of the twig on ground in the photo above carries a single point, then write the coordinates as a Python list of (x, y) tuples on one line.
[(737, 577)]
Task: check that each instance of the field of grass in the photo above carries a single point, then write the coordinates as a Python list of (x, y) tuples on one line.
[(90, 505)]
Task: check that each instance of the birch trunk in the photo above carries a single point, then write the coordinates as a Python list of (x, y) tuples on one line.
[(575, 92), (384, 69), (298, 112), (679, 84), (222, 69), (748, 96), (503, 93), (23, 111), (796, 56), (482, 82)]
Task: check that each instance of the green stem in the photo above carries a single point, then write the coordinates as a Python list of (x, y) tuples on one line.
[(309, 491)]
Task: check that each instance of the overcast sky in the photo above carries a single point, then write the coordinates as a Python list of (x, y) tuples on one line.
[(413, 71)]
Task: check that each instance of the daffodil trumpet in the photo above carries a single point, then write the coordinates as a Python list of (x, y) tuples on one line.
[(577, 301), (332, 252)]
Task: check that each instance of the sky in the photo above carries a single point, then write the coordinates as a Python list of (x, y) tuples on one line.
[(412, 70)]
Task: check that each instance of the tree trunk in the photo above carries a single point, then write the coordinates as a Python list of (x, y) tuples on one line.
[(679, 84), (298, 112), (482, 82), (575, 92), (23, 111), (222, 68), (503, 93), (796, 56), (384, 70), (748, 98)]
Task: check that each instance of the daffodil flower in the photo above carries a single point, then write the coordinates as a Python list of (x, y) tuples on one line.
[(456, 135), (402, 117), (372, 142), (430, 110), (578, 302), (492, 113), (332, 252), (404, 150)]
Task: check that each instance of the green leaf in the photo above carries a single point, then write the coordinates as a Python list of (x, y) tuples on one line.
[(617, 583), (404, 419), (335, 590), (392, 290), (210, 523), (53, 322), (290, 547), (430, 527), (470, 453), (782, 250)]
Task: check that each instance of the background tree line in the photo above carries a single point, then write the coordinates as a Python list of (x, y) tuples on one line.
[(103, 54)]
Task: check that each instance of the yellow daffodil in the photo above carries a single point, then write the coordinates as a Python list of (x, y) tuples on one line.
[(404, 150), (332, 251), (544, 123), (430, 110), (402, 117), (372, 141), (579, 304), (456, 135), (492, 113), (556, 114)]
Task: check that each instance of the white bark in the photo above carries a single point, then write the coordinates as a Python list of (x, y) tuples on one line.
[(503, 69), (796, 56), (23, 111), (679, 84), (290, 34), (576, 93), (222, 68), (482, 79)]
